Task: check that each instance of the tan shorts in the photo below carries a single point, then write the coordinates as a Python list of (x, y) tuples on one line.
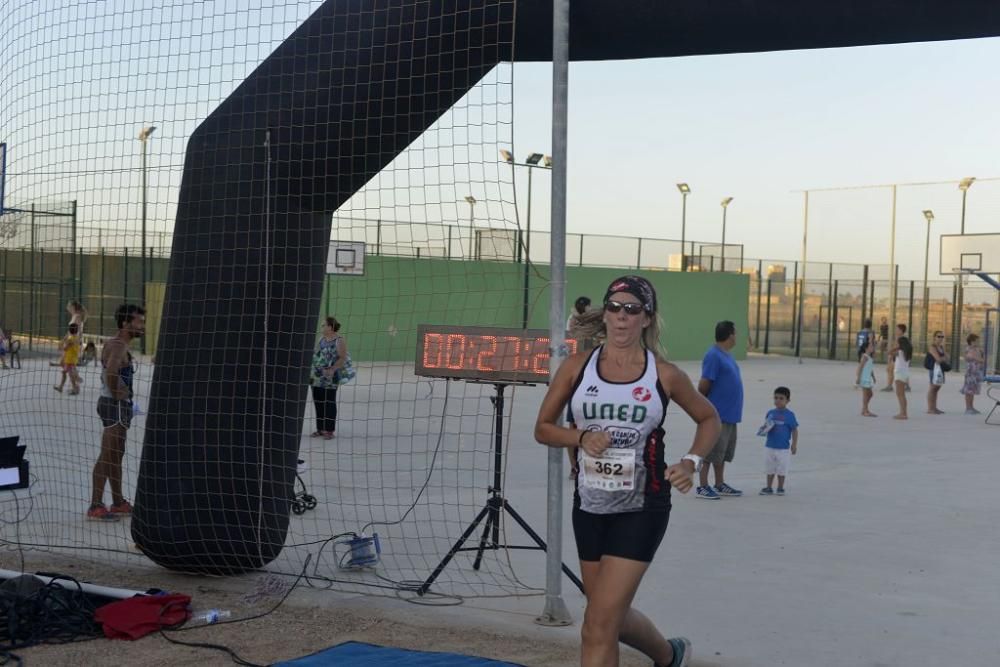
[(725, 446)]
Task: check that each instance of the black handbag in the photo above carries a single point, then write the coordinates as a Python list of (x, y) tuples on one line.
[(945, 366), (929, 361)]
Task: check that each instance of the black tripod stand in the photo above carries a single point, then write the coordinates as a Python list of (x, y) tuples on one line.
[(495, 504)]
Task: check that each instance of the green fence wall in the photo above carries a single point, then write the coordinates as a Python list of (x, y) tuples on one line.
[(380, 311)]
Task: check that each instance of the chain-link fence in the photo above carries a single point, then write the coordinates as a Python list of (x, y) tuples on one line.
[(35, 284)]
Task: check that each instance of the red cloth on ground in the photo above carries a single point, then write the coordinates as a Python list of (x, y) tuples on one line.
[(136, 617)]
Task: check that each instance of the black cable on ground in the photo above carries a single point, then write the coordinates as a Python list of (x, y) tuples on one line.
[(235, 657)]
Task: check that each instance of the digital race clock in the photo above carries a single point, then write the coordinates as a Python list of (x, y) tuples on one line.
[(484, 353)]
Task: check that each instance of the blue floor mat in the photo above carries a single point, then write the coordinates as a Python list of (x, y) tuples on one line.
[(370, 655)]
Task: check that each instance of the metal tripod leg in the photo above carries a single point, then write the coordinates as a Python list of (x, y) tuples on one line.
[(454, 550), (492, 521), (539, 541)]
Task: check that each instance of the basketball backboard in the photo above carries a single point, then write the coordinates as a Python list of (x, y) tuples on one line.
[(964, 253), (346, 258)]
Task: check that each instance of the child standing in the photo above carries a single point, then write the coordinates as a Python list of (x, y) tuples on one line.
[(782, 430), (901, 368), (866, 377), (70, 347)]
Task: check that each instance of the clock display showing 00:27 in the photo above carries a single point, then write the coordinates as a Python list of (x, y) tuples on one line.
[(484, 353)]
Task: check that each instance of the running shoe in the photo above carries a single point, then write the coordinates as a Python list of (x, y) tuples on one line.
[(123, 508), (707, 492), (100, 513), (726, 490), (682, 651)]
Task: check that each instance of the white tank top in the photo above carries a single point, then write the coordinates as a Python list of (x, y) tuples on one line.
[(629, 475)]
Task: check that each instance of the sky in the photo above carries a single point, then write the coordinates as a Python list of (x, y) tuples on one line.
[(756, 127), (762, 127)]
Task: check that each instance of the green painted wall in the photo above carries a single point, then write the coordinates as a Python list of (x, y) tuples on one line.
[(380, 311)]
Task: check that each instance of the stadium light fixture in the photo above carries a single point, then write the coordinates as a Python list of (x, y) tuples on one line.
[(966, 183), (507, 156), (685, 191), (534, 159)]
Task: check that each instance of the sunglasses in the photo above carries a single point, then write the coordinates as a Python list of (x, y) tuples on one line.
[(939, 336), (630, 308)]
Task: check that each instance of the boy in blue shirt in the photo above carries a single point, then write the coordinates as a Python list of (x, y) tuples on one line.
[(782, 431)]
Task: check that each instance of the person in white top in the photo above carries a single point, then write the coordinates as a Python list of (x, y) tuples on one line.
[(617, 395), (900, 369)]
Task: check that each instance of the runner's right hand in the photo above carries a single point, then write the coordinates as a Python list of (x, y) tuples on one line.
[(595, 442)]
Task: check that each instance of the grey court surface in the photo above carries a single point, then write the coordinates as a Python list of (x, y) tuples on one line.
[(882, 553)]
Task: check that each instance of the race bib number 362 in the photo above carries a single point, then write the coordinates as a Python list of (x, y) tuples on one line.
[(614, 470)]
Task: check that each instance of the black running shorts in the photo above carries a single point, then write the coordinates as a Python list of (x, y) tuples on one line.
[(113, 412), (631, 535)]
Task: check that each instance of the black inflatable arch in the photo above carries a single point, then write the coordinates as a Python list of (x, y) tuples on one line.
[(332, 106)]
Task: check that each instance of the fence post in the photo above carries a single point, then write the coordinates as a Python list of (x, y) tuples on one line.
[(767, 321), (638, 256), (31, 284), (79, 276), (450, 228), (760, 287), (819, 328), (864, 297), (909, 318), (378, 237), (100, 326), (125, 277), (583, 237), (955, 325), (847, 340), (796, 287), (833, 318)]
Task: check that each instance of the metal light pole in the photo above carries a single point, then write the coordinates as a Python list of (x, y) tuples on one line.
[(956, 336), (929, 216), (532, 163), (802, 273), (144, 135), (472, 231), (685, 191), (892, 264), (725, 206)]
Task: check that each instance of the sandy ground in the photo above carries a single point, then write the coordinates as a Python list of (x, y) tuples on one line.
[(308, 621)]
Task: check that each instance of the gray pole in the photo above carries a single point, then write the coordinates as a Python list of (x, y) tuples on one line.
[(927, 254), (956, 343), (802, 281), (556, 612), (724, 208), (527, 256), (143, 248), (684, 210), (472, 231), (892, 264)]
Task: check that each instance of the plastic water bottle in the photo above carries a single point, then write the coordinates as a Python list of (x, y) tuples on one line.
[(210, 616)]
